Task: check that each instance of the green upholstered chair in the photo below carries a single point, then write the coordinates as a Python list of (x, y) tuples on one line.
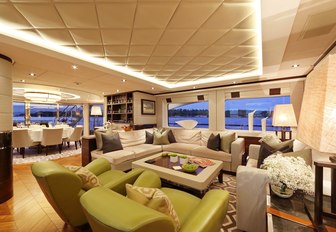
[(109, 211), (63, 187)]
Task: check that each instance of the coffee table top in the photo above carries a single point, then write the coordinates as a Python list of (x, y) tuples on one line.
[(200, 180)]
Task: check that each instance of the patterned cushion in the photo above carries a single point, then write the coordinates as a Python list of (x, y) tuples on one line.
[(160, 138), (226, 141), (72, 168), (153, 198), (89, 179)]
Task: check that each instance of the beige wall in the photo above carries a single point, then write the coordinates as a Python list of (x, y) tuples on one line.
[(138, 118)]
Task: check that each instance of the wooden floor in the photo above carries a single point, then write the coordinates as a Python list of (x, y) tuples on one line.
[(29, 210)]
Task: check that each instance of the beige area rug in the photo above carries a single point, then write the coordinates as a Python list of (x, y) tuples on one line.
[(32, 156), (229, 184)]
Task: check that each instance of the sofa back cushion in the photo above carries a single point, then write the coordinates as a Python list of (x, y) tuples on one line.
[(132, 138), (187, 136)]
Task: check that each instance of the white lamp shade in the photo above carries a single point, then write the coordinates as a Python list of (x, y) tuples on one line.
[(96, 111), (317, 124), (284, 116), (187, 124)]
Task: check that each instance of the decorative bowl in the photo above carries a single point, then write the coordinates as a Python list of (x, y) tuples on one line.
[(189, 167)]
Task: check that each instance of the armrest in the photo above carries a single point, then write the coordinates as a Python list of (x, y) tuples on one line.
[(237, 152), (210, 213), (251, 198), (254, 151), (99, 166), (119, 186), (107, 210)]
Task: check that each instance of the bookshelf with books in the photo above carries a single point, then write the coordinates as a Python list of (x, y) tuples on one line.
[(120, 108)]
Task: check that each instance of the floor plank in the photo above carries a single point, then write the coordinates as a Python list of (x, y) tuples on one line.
[(28, 209)]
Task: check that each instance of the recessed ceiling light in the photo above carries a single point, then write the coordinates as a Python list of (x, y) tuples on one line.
[(194, 87), (123, 80), (32, 74), (152, 88), (295, 65), (22, 81), (74, 67), (117, 90), (234, 82)]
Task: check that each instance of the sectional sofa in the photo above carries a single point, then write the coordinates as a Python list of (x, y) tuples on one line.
[(189, 142)]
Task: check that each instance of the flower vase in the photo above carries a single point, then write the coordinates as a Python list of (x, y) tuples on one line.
[(282, 191)]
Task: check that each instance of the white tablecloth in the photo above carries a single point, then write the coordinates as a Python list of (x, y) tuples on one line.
[(36, 133)]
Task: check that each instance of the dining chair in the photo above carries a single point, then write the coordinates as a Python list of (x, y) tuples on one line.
[(75, 136), (21, 139), (52, 136)]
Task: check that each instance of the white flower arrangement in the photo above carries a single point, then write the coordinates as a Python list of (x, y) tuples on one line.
[(293, 172)]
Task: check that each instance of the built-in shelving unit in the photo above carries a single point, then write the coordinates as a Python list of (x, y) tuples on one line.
[(120, 108)]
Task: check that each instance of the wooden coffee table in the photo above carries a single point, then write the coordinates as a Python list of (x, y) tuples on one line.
[(200, 180)]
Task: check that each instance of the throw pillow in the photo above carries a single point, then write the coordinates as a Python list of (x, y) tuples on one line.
[(160, 138), (99, 141), (270, 139), (89, 179), (305, 154), (266, 150), (72, 168), (155, 199), (111, 143), (214, 142), (171, 137), (226, 141), (149, 138)]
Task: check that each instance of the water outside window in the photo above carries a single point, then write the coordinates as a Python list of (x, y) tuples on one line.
[(43, 113), (198, 111), (236, 112), (18, 112), (71, 114)]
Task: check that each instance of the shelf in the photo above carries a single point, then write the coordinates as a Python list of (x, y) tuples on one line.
[(120, 107)]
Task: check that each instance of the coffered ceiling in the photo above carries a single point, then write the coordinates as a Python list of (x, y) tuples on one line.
[(160, 46)]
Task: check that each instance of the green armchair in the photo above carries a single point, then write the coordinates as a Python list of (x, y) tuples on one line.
[(63, 187), (107, 210)]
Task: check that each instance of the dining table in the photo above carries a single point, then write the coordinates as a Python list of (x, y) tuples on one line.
[(35, 133)]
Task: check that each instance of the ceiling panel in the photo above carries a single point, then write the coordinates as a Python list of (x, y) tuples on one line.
[(86, 36), (59, 36), (11, 17), (116, 36), (116, 15)]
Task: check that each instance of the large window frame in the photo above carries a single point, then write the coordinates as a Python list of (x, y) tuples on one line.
[(240, 108), (188, 111)]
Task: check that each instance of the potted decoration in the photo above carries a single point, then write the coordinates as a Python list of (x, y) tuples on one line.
[(183, 159), (173, 157), (288, 174)]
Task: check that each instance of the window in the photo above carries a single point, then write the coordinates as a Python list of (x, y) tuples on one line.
[(95, 120), (42, 113), (236, 112), (18, 112), (71, 114), (198, 111)]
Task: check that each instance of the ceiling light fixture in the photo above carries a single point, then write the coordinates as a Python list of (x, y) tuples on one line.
[(32, 74), (42, 96), (23, 81), (74, 67), (123, 80), (152, 88), (117, 90), (295, 65)]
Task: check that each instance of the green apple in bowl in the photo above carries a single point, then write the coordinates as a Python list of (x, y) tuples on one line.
[(189, 167)]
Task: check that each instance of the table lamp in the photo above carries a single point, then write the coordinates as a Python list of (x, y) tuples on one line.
[(95, 111), (284, 116)]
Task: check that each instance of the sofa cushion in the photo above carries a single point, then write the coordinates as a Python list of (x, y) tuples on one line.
[(187, 136), (98, 135), (149, 138), (111, 142), (266, 150), (143, 150), (214, 142), (132, 138), (89, 180), (183, 148), (153, 198), (203, 151), (160, 138), (171, 137), (226, 140), (270, 139), (305, 154), (114, 157)]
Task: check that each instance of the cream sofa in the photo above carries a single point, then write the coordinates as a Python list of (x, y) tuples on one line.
[(190, 142)]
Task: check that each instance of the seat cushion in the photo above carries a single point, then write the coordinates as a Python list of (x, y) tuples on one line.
[(203, 151), (110, 176), (143, 150), (114, 157), (183, 148), (187, 136), (183, 203)]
